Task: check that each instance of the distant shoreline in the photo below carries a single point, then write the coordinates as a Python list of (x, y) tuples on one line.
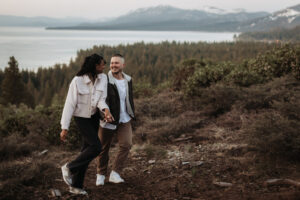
[(140, 29)]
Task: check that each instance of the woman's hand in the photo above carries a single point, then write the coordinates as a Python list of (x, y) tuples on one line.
[(63, 135), (107, 116)]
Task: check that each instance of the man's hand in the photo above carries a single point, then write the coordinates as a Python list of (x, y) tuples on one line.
[(63, 135)]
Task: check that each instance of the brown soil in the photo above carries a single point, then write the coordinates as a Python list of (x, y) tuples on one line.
[(189, 170)]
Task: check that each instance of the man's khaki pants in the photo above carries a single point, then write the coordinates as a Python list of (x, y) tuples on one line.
[(124, 136)]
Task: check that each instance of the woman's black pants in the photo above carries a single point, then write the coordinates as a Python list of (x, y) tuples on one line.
[(91, 148)]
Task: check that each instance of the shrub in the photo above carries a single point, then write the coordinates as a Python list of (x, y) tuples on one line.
[(244, 77), (183, 71), (14, 119), (296, 65), (42, 121), (276, 63), (15, 146), (15, 124), (206, 76), (275, 136), (163, 104), (52, 129), (216, 99), (142, 89)]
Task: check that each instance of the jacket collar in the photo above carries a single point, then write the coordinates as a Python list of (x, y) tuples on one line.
[(112, 78), (87, 79)]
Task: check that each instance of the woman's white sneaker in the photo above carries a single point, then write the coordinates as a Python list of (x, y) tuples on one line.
[(115, 177), (66, 174), (100, 179), (75, 190)]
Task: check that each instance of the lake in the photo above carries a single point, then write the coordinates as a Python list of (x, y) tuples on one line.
[(36, 47)]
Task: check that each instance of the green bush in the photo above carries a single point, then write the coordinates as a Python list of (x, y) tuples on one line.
[(185, 70), (53, 128), (244, 77), (42, 121), (206, 76), (14, 125), (296, 64), (142, 89), (14, 119), (276, 63)]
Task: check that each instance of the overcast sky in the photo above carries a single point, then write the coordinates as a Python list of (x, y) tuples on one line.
[(96, 9)]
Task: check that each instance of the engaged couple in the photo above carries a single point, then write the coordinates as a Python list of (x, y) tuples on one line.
[(102, 106)]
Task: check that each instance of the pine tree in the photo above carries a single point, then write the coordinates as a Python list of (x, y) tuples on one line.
[(12, 85)]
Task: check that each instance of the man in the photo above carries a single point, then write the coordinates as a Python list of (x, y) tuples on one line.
[(120, 102)]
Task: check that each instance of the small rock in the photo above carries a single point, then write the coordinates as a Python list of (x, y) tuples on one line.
[(185, 163), (274, 180), (282, 182), (151, 161), (43, 152), (55, 193), (223, 184)]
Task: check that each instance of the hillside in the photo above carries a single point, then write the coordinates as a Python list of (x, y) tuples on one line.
[(218, 130)]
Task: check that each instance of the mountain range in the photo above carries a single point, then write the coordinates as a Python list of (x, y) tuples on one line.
[(8, 20), (167, 18), (171, 18)]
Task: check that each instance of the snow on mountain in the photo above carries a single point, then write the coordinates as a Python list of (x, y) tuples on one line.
[(219, 11), (214, 10), (286, 18), (288, 13)]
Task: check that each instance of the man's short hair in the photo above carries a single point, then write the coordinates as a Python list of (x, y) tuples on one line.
[(120, 56)]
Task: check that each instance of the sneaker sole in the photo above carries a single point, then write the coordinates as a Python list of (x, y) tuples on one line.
[(66, 181), (116, 182), (81, 193)]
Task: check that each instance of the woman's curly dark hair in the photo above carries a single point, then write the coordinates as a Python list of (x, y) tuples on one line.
[(89, 65)]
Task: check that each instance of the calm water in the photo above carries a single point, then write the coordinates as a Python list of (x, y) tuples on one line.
[(35, 47)]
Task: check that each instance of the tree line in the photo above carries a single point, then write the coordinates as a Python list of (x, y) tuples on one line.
[(150, 64), (280, 34)]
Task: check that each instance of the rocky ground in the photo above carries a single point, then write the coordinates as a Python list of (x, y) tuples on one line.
[(207, 164)]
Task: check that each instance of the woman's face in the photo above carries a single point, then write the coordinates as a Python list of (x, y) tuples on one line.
[(100, 67)]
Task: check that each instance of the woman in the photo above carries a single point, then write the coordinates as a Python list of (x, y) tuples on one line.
[(87, 93)]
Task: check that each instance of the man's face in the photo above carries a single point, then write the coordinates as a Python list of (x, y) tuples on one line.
[(116, 65), (100, 67)]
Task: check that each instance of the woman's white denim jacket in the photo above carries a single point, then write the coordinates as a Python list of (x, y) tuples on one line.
[(84, 97)]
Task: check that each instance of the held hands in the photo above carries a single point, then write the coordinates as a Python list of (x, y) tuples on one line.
[(63, 135), (107, 116)]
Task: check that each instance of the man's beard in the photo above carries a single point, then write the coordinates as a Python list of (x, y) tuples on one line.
[(119, 71)]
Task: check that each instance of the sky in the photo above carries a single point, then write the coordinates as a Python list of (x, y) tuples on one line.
[(101, 9)]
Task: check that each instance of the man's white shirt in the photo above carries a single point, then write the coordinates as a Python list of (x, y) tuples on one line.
[(124, 117)]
